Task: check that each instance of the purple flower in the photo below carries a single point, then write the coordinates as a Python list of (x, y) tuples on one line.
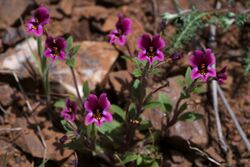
[(97, 109), (36, 23), (202, 64), (123, 28), (221, 75), (55, 48), (151, 48), (69, 113)]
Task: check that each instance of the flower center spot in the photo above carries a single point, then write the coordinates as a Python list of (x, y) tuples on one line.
[(55, 51), (203, 69), (97, 115), (151, 52)]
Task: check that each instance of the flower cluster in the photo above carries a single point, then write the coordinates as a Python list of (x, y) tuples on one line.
[(151, 48), (36, 24), (97, 109), (55, 48), (202, 63), (123, 28)]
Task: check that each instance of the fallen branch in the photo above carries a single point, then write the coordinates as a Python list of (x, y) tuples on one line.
[(236, 122)]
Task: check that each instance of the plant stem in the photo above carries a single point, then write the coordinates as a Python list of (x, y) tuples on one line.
[(129, 51), (76, 86)]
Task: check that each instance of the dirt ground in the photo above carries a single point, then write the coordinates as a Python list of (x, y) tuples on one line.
[(89, 22)]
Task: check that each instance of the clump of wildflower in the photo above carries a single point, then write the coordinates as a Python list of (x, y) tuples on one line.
[(151, 48), (55, 48), (123, 28), (36, 24), (69, 112), (97, 110), (222, 75), (202, 62)]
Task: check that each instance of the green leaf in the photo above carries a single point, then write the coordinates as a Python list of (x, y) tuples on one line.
[(154, 164), (132, 110), (199, 89), (179, 81), (69, 43), (152, 105), (68, 125), (137, 72), (190, 116), (125, 57), (188, 79), (85, 89), (145, 125), (119, 111), (71, 62), (74, 50), (108, 127), (136, 84), (129, 157), (165, 103), (138, 160), (183, 107), (60, 104)]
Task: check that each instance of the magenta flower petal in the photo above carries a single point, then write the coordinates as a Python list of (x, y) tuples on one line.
[(202, 64), (123, 28), (89, 119), (158, 42), (195, 73), (91, 103), (55, 48), (70, 111), (127, 26), (151, 48), (142, 56), (144, 42), (108, 116), (97, 110), (42, 15), (211, 72), (159, 56), (121, 40), (210, 59), (104, 102)]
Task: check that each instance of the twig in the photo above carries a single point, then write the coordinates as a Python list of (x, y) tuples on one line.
[(10, 129), (223, 143), (236, 123), (30, 109), (204, 154), (4, 111), (129, 51), (76, 86)]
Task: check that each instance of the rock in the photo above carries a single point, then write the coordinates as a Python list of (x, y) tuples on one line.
[(66, 6), (84, 3), (93, 62), (114, 2), (16, 7), (12, 35), (16, 59), (195, 131), (60, 27), (54, 12), (120, 81), (81, 30), (95, 12), (6, 94), (30, 142)]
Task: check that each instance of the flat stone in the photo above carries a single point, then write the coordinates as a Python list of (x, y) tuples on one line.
[(30, 142), (195, 131), (16, 59), (66, 6), (6, 94), (96, 12), (10, 11), (12, 35)]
